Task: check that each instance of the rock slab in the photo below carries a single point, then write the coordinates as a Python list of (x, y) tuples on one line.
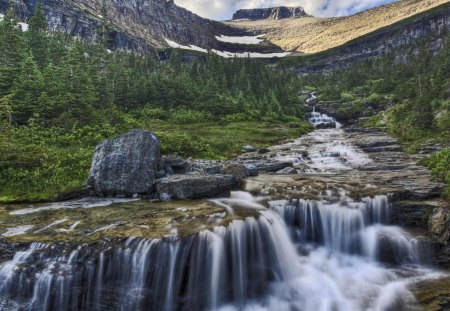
[(181, 187), (125, 165)]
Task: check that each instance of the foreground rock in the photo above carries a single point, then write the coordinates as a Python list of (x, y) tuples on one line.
[(125, 165), (181, 187)]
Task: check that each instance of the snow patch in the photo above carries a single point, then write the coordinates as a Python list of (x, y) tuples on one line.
[(191, 47), (17, 231), (241, 40), (23, 26), (225, 54), (2, 17), (250, 54)]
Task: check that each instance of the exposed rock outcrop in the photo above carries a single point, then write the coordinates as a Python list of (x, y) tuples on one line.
[(281, 12), (125, 165), (136, 25)]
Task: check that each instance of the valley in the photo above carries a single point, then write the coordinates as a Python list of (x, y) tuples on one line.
[(153, 159)]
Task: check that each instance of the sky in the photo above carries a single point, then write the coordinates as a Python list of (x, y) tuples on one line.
[(224, 9)]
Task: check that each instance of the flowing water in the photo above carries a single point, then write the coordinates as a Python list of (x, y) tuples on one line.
[(333, 253)]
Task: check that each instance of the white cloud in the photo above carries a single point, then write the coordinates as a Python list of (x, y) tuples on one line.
[(223, 9)]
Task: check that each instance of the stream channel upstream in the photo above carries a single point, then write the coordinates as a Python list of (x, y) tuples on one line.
[(335, 236)]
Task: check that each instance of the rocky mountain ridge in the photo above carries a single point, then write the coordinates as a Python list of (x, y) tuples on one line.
[(145, 26), (275, 13), (135, 25)]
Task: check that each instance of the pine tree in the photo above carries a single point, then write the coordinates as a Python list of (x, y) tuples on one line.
[(26, 90), (11, 50), (36, 36)]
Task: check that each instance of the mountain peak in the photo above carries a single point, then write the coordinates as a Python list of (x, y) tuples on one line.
[(281, 12)]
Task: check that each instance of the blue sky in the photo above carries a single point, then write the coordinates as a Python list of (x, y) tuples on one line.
[(223, 9)]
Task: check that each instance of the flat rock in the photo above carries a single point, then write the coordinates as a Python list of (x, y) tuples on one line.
[(181, 187)]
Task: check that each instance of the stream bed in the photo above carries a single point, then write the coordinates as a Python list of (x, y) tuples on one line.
[(325, 238)]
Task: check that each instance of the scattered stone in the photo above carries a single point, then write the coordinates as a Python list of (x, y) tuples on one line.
[(248, 148), (181, 187), (252, 170), (177, 164), (239, 171), (263, 150), (125, 165)]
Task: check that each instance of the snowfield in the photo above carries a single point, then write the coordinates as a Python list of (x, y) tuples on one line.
[(225, 54), (241, 40)]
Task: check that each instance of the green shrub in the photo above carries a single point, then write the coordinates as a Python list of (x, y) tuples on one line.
[(184, 116)]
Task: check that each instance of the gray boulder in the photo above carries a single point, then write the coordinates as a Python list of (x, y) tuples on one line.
[(125, 165), (252, 170), (177, 164), (235, 169), (181, 187)]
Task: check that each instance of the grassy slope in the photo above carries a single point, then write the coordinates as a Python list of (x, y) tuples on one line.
[(314, 35), (54, 166)]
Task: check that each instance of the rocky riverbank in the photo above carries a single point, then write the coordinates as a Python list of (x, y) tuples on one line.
[(340, 190)]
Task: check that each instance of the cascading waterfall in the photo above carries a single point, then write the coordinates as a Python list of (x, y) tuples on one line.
[(302, 255)]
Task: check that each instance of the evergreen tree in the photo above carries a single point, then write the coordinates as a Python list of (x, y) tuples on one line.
[(36, 36)]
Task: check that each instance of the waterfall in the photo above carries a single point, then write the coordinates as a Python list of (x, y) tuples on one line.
[(302, 255)]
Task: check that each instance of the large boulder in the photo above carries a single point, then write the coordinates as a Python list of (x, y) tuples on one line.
[(181, 187), (125, 165)]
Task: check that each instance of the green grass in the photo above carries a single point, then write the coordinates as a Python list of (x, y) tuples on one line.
[(38, 164)]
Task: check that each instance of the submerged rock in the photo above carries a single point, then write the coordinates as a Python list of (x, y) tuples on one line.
[(181, 187), (125, 165)]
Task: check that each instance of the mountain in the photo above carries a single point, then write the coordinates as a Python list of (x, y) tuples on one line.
[(276, 13), (313, 34), (145, 25), (406, 38), (138, 25)]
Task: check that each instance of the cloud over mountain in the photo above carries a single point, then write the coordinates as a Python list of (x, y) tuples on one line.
[(223, 9)]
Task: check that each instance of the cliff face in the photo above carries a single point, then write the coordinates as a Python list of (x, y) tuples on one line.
[(137, 25), (277, 13), (431, 25)]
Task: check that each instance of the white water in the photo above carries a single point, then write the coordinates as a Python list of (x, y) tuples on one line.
[(329, 254), (328, 152), (305, 255)]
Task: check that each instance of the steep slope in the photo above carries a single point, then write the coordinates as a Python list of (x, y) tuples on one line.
[(137, 25), (425, 30), (313, 35), (276, 13)]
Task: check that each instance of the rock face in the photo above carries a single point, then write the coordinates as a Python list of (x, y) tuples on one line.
[(125, 165), (281, 12), (136, 25), (181, 187)]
